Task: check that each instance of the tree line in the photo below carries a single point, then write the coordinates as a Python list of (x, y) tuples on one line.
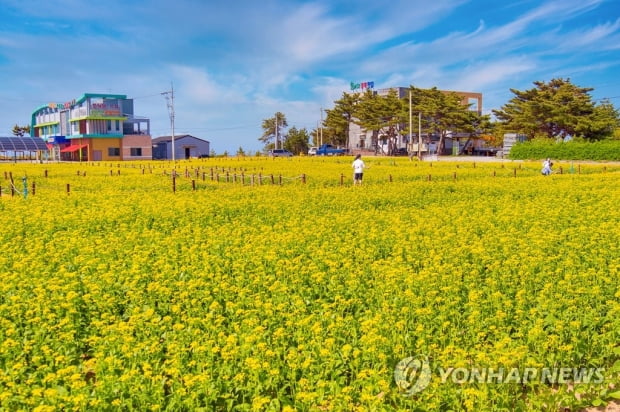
[(556, 110)]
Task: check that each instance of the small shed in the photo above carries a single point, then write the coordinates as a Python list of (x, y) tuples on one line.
[(185, 147)]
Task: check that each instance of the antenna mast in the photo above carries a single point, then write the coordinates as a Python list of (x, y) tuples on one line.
[(169, 95)]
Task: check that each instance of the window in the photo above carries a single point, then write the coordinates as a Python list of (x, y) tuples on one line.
[(118, 125), (114, 151), (109, 125), (135, 151)]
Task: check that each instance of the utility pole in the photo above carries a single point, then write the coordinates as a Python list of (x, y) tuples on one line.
[(276, 130), (321, 127), (169, 95), (420, 135), (410, 126)]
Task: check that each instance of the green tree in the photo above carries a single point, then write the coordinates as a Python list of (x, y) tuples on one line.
[(240, 151), (20, 131), (272, 127), (384, 115), (477, 126), (338, 119), (297, 140), (442, 113), (558, 109)]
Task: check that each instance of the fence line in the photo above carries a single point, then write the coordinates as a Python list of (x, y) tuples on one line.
[(221, 174)]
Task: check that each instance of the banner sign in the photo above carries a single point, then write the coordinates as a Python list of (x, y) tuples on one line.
[(61, 106), (363, 85), (105, 108)]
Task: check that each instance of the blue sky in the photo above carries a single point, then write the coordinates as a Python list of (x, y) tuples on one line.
[(236, 63)]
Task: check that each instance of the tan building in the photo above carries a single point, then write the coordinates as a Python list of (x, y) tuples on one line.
[(370, 141)]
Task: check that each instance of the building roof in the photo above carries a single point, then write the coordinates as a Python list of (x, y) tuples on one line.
[(181, 136), (73, 102), (15, 143)]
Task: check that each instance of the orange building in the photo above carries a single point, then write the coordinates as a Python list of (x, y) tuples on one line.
[(94, 127)]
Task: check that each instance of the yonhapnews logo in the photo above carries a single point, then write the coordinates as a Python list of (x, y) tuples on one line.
[(413, 375)]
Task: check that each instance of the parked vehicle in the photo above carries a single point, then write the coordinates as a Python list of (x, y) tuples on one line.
[(312, 151), (280, 153), (329, 150), (401, 151)]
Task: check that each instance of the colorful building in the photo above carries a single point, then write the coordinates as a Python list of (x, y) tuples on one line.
[(94, 127)]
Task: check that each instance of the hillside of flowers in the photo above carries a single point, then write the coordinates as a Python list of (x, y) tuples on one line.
[(276, 285)]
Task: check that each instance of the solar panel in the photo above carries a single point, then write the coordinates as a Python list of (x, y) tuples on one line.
[(30, 145), (19, 144), (14, 143), (7, 143)]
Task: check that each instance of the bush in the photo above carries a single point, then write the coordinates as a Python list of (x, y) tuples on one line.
[(573, 150)]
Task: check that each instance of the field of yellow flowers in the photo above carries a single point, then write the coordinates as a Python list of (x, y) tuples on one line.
[(275, 285)]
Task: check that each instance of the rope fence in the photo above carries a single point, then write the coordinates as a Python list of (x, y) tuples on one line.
[(194, 178)]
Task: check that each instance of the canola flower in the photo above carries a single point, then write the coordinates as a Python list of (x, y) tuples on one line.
[(249, 296)]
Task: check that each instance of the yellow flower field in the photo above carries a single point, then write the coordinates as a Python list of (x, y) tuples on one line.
[(118, 293)]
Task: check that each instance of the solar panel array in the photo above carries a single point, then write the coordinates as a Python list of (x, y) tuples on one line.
[(24, 143)]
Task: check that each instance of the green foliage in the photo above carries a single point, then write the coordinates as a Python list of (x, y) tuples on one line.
[(387, 116), (572, 150), (21, 130), (297, 140), (337, 122), (443, 112), (272, 127), (558, 109)]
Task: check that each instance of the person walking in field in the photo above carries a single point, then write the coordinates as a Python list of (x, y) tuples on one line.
[(358, 170), (546, 167)]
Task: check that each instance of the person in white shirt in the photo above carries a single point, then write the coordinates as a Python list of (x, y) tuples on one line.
[(546, 169), (358, 169)]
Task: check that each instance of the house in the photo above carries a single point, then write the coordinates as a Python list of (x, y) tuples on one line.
[(185, 147), (93, 127)]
